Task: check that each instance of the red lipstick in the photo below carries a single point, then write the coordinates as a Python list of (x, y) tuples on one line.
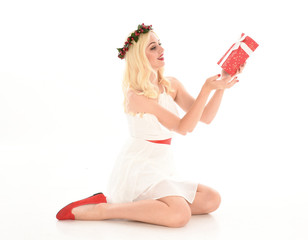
[(161, 57)]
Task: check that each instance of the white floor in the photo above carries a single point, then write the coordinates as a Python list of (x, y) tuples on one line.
[(32, 216), (33, 191)]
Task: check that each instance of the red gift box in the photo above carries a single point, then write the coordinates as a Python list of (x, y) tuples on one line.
[(238, 54)]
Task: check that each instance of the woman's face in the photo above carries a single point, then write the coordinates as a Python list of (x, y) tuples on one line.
[(155, 52)]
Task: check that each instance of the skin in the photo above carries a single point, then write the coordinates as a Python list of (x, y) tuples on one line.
[(171, 211), (195, 109), (153, 51)]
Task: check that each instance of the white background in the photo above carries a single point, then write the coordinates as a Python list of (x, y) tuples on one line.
[(62, 122)]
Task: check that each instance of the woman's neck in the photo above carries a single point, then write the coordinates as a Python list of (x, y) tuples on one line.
[(154, 79)]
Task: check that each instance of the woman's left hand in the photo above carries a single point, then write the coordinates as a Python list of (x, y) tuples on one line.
[(241, 68), (226, 76)]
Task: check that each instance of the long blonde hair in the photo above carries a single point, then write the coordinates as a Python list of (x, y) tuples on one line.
[(138, 71)]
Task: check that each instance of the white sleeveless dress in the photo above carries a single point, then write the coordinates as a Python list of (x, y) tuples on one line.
[(146, 170)]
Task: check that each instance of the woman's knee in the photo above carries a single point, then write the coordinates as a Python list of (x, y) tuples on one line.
[(180, 212), (214, 202), (180, 217), (211, 199)]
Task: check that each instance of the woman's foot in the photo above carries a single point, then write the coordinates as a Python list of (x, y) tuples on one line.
[(67, 212), (90, 212)]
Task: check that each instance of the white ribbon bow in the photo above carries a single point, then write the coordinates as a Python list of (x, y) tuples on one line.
[(238, 44)]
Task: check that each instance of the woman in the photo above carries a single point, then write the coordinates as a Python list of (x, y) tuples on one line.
[(143, 185)]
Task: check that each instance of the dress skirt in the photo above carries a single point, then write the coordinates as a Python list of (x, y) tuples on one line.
[(146, 170)]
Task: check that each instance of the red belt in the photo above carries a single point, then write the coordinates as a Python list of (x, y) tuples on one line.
[(165, 141)]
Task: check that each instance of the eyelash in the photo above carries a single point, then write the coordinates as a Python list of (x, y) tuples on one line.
[(155, 46)]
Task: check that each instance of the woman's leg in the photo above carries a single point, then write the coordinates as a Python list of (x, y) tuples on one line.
[(171, 211), (207, 200)]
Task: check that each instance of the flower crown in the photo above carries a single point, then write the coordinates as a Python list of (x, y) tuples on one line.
[(133, 37)]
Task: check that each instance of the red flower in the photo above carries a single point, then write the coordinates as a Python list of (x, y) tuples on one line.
[(141, 29)]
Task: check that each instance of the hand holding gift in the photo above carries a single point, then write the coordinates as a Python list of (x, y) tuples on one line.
[(235, 58), (225, 75)]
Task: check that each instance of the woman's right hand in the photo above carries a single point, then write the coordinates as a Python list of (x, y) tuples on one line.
[(212, 83)]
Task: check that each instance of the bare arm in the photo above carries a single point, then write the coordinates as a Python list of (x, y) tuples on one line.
[(170, 120), (192, 117), (185, 100), (212, 107)]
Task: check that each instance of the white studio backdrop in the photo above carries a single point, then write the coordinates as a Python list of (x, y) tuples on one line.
[(61, 117)]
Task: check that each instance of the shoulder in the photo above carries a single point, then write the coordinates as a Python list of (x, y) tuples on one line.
[(133, 95), (175, 85), (135, 101), (173, 81)]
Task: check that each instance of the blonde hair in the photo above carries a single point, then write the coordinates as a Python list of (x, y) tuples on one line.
[(138, 71)]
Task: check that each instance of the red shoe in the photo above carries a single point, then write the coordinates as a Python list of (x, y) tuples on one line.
[(66, 212)]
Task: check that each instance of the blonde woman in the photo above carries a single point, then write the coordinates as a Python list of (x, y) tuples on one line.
[(143, 185)]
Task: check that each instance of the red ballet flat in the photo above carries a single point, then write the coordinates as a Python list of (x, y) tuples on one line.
[(66, 212)]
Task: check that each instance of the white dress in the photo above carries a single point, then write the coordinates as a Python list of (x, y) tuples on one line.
[(146, 170)]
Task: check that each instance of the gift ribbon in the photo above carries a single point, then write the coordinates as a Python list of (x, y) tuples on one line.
[(238, 44)]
